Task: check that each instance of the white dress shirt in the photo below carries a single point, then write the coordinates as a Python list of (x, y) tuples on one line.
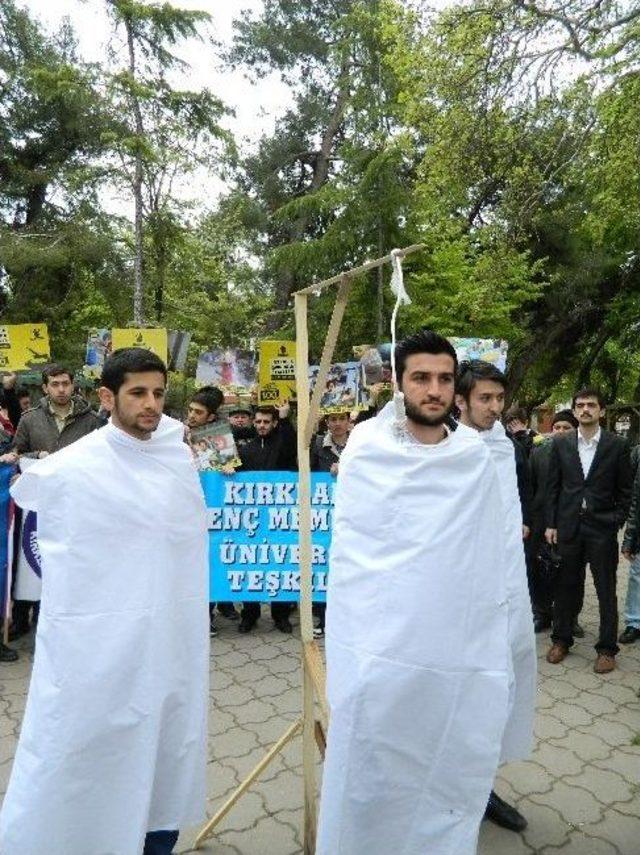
[(587, 450)]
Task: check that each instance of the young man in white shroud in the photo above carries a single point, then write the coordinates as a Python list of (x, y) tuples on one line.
[(419, 701), (111, 757)]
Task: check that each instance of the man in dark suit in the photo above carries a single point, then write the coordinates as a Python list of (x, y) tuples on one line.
[(589, 491)]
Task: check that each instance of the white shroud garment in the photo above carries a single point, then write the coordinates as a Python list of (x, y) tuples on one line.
[(417, 652), (518, 736), (113, 741)]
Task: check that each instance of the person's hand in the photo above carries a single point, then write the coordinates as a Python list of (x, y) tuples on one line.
[(284, 409), (334, 469), (628, 554), (9, 380), (516, 426), (227, 469), (526, 531), (10, 457), (551, 536), (42, 455)]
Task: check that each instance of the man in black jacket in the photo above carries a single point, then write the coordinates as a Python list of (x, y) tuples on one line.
[(587, 503), (273, 449), (540, 588)]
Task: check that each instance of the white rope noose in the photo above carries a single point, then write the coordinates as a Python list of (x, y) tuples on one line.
[(402, 298)]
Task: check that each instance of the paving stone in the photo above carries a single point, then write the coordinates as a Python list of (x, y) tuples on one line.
[(576, 806), (527, 778), (626, 765), (608, 787), (582, 844), (619, 830), (545, 825), (557, 761)]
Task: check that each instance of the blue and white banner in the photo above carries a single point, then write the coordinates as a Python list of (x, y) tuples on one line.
[(5, 518), (253, 531)]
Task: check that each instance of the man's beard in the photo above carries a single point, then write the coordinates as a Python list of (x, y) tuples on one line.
[(415, 415)]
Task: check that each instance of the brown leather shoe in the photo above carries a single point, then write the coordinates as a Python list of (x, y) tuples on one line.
[(556, 653), (604, 663)]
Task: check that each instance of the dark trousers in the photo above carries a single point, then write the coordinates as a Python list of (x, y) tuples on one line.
[(541, 588), (24, 614), (160, 842), (251, 611), (599, 550)]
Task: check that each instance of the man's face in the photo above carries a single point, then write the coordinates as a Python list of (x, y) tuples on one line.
[(561, 427), (588, 411), (338, 426), (485, 405), (264, 423), (59, 389), (240, 420), (428, 386), (137, 407), (198, 415), (25, 403)]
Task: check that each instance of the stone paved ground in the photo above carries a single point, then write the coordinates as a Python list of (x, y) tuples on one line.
[(580, 791)]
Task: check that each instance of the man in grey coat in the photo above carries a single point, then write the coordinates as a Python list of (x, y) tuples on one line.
[(58, 420)]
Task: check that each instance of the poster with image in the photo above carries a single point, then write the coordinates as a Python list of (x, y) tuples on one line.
[(98, 349), (345, 390), (178, 343), (213, 447), (487, 349), (227, 367)]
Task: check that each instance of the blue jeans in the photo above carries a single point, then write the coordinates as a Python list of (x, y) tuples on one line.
[(632, 603), (160, 842)]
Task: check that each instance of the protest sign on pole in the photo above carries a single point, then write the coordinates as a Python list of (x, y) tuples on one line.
[(23, 346), (254, 520), (6, 537), (277, 374), (154, 340)]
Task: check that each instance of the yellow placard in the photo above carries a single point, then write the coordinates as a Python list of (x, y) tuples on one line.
[(152, 339), (24, 346), (277, 374)]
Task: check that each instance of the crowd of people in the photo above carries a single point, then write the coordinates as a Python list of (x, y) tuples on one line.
[(546, 506)]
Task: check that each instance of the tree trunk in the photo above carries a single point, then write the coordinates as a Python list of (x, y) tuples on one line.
[(138, 294)]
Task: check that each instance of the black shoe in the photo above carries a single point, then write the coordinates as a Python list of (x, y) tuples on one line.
[(504, 815), (245, 626), (576, 630), (7, 654), (540, 624), (227, 611), (284, 625), (630, 635)]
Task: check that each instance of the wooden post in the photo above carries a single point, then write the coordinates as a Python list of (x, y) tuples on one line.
[(306, 617)]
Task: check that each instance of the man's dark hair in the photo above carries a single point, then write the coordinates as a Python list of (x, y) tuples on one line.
[(588, 392), (56, 370), (516, 414), (129, 360), (565, 416), (267, 411), (424, 341), (470, 372), (210, 397)]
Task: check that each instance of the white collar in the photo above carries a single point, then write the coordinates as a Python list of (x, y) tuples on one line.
[(595, 439)]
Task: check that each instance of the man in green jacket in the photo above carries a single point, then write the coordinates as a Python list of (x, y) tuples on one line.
[(58, 420)]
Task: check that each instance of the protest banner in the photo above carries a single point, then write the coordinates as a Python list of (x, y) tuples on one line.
[(226, 367), (254, 552), (345, 390), (487, 349), (277, 374), (23, 346), (213, 447), (178, 342), (28, 581), (154, 340), (99, 342)]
